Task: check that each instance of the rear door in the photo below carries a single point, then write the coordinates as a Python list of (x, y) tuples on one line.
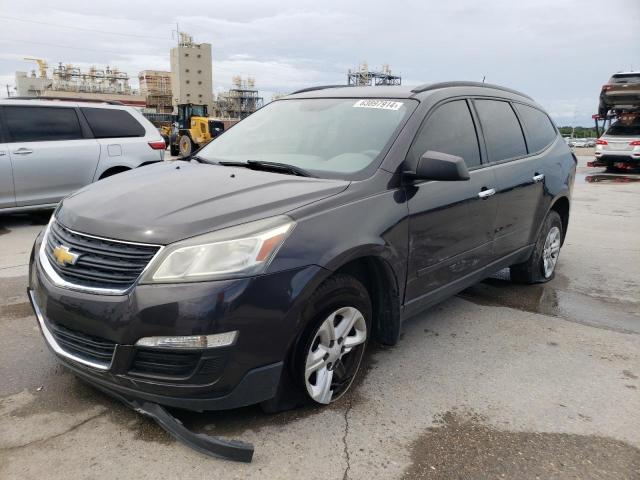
[(451, 226), (49, 152), (7, 196), (519, 180)]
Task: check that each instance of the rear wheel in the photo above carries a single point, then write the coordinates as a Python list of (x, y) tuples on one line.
[(331, 349), (541, 265)]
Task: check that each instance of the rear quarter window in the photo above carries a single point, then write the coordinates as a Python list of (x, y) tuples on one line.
[(502, 133), (41, 124), (538, 127), (111, 123)]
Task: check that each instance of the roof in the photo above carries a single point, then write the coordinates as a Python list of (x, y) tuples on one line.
[(344, 91), (50, 102)]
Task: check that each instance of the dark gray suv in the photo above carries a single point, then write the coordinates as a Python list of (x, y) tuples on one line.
[(257, 270)]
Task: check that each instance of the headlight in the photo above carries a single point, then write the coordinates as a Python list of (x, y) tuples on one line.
[(232, 252)]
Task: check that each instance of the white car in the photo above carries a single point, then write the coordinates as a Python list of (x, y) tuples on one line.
[(49, 149), (578, 143), (621, 142)]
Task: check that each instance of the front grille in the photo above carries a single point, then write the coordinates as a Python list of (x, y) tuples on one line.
[(87, 347), (164, 363), (101, 263)]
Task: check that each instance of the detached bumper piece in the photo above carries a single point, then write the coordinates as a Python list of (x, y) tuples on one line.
[(213, 446), (235, 450)]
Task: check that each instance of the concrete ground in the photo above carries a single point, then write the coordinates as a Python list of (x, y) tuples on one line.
[(501, 381)]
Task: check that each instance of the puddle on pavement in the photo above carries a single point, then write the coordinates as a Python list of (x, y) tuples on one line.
[(463, 446), (550, 299), (16, 310)]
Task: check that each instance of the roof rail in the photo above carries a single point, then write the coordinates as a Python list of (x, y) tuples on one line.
[(433, 86), (319, 87), (65, 99)]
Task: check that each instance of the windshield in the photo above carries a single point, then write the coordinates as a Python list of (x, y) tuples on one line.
[(626, 130), (333, 138), (626, 78)]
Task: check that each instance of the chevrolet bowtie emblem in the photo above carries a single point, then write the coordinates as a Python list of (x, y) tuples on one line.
[(64, 257)]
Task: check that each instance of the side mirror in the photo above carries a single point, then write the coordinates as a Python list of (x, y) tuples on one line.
[(440, 166)]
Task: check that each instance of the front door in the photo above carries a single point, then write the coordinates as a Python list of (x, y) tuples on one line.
[(50, 156), (451, 224)]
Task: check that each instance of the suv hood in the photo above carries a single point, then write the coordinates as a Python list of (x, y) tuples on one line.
[(167, 202)]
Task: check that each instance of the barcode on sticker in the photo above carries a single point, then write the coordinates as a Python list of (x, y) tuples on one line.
[(383, 104)]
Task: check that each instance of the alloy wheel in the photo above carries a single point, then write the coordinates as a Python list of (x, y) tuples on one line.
[(550, 251), (334, 355)]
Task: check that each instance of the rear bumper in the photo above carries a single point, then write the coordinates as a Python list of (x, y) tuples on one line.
[(617, 156)]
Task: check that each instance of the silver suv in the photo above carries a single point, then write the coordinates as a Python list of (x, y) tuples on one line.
[(49, 149), (620, 142)]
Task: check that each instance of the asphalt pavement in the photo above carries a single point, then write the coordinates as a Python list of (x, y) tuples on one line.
[(501, 381)]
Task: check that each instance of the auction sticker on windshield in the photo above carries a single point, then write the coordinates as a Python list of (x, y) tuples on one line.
[(383, 104)]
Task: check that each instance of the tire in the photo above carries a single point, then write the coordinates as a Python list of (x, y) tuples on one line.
[(535, 269), (328, 359), (185, 146), (174, 150)]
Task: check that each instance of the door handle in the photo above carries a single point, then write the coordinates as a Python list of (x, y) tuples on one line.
[(23, 151), (2, 154), (487, 193), (538, 177)]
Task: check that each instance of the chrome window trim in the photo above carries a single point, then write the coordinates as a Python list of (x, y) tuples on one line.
[(61, 282), (55, 346)]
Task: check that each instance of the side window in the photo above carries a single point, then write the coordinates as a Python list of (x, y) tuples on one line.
[(449, 129), (540, 130), (502, 132), (112, 123), (40, 124)]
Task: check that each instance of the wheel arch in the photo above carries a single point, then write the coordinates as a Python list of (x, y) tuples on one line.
[(113, 170), (561, 206), (379, 278)]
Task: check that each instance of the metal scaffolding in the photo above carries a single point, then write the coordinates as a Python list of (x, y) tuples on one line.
[(365, 77), (69, 78), (240, 101), (155, 85)]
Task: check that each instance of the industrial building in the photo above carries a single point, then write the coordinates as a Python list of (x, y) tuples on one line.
[(70, 82), (189, 82), (365, 77), (155, 86), (191, 79), (239, 101)]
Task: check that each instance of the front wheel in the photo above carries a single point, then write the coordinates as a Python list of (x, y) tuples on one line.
[(185, 145), (333, 346), (541, 265)]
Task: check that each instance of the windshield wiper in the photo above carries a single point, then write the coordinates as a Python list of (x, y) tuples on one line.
[(200, 160), (270, 166)]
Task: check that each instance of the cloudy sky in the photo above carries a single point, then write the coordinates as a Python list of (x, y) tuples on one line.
[(558, 51)]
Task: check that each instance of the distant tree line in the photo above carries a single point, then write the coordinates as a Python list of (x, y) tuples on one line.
[(578, 132)]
